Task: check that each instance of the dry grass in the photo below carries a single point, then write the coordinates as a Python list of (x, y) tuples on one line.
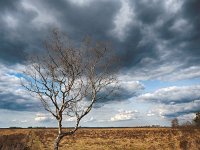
[(103, 139)]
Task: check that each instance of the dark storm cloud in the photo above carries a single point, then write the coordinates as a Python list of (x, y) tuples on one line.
[(19, 33), (12, 51), (119, 95), (133, 53), (14, 102), (186, 32), (95, 19), (181, 32), (148, 12), (9, 5), (8, 49), (16, 31), (168, 36), (191, 11), (124, 92), (153, 23)]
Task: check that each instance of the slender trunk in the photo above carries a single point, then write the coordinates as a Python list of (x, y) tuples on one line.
[(60, 136), (57, 141)]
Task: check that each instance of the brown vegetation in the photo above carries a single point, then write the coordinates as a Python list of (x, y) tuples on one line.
[(103, 139)]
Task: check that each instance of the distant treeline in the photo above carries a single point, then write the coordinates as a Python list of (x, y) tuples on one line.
[(152, 126)]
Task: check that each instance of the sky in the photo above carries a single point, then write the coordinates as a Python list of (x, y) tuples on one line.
[(158, 42)]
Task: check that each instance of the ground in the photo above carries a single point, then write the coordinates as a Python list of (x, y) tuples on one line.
[(103, 139)]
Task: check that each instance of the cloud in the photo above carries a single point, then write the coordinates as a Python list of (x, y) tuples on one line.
[(81, 2), (12, 95), (124, 115), (43, 17), (186, 117), (184, 73), (91, 119), (127, 82), (122, 21), (24, 121), (127, 89), (40, 117), (158, 46), (147, 35), (172, 95), (176, 110), (70, 119), (150, 113), (173, 102), (15, 97)]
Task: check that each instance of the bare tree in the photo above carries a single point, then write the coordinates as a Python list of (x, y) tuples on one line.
[(174, 123), (196, 120), (187, 124), (69, 80)]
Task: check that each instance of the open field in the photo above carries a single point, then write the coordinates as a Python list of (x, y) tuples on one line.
[(103, 139)]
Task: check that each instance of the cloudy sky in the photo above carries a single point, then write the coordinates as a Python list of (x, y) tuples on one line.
[(159, 45)]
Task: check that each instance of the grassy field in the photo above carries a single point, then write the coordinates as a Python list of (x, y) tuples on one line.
[(103, 139)]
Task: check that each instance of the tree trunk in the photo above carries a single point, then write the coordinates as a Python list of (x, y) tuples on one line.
[(60, 136), (57, 141)]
